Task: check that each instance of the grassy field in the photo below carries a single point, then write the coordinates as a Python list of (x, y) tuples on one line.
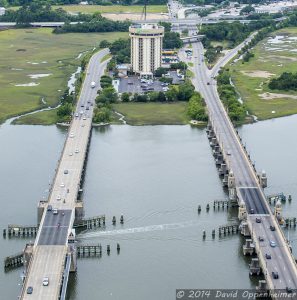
[(153, 113), (88, 9), (273, 56), (40, 118), (50, 57)]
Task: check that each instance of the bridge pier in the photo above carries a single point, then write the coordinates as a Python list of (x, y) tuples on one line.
[(28, 252), (40, 209), (79, 211), (248, 248), (262, 287), (245, 231), (255, 267), (263, 179), (242, 215)]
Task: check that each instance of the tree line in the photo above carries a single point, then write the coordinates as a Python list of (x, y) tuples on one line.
[(229, 97), (286, 81)]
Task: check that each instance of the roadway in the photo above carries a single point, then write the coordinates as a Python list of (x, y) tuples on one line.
[(50, 248), (248, 189)]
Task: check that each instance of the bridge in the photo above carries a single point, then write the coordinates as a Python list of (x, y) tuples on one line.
[(245, 185), (53, 254)]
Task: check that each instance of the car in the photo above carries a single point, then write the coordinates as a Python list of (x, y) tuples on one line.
[(91, 104), (229, 152), (49, 208), (72, 135), (261, 239), (45, 281), (87, 108), (130, 82), (76, 114), (272, 244), (76, 151), (208, 83), (29, 290), (258, 220), (58, 197), (65, 171), (70, 153), (252, 211), (82, 125), (289, 290), (82, 105), (268, 256), (275, 275), (62, 184), (84, 118), (272, 228)]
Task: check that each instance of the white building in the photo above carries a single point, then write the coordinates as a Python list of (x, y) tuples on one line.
[(2, 11), (146, 48)]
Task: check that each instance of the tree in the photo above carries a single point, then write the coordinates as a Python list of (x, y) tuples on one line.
[(172, 40), (247, 10), (125, 97), (104, 44), (171, 94), (196, 108), (160, 71), (107, 95), (161, 97), (153, 96), (185, 91), (102, 115)]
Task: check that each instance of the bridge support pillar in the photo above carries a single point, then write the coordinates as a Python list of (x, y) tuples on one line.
[(72, 252), (262, 287), (28, 252), (232, 187), (278, 211), (263, 179), (242, 212), (79, 212), (245, 231), (40, 209), (213, 142), (223, 169), (248, 248), (255, 267)]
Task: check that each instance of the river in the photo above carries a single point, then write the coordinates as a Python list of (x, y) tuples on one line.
[(155, 176)]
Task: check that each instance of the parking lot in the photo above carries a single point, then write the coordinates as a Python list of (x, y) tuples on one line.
[(134, 85)]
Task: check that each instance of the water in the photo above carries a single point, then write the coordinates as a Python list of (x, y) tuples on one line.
[(155, 176)]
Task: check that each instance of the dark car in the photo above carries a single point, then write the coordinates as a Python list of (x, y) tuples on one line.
[(258, 220), (261, 239), (29, 290), (272, 228), (49, 208), (289, 290), (275, 275), (268, 256), (252, 211)]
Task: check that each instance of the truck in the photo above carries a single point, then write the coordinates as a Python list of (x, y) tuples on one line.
[(93, 84)]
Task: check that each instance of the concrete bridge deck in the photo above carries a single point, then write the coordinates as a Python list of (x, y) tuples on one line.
[(51, 244), (248, 188)]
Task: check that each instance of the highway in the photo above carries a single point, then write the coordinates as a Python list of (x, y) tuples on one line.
[(247, 186), (51, 244)]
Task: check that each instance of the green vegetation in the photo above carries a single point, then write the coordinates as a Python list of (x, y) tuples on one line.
[(90, 9), (41, 118), (153, 113), (27, 52), (171, 39), (252, 78), (196, 108), (287, 81), (228, 95)]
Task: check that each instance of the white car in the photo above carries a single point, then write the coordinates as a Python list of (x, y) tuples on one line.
[(62, 184), (58, 197), (84, 118), (70, 154), (72, 135), (45, 281), (55, 211), (76, 151)]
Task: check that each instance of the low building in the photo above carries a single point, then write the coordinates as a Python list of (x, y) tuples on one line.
[(146, 48), (123, 70)]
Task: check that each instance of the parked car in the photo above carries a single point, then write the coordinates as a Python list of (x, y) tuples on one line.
[(272, 244), (258, 220), (272, 228), (268, 256), (29, 290)]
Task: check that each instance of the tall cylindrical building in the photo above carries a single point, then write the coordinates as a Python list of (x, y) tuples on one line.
[(146, 48)]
